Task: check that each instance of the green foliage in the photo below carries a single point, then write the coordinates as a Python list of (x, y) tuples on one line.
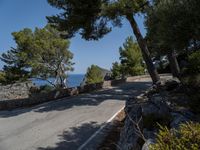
[(173, 25), (2, 77), (91, 18), (42, 53), (15, 68), (131, 58), (94, 75), (187, 137), (13, 74), (116, 70), (131, 62), (194, 63), (95, 18)]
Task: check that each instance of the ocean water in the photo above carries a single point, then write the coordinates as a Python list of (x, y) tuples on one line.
[(72, 81)]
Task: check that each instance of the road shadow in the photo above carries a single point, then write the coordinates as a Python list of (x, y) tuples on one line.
[(121, 93), (72, 139)]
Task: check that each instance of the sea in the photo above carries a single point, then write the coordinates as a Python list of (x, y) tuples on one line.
[(73, 80)]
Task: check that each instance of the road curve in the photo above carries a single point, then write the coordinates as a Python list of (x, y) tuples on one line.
[(64, 124)]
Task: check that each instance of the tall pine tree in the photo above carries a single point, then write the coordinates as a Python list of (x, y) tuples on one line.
[(91, 18)]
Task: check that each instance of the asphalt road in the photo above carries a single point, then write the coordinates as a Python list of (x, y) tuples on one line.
[(64, 124)]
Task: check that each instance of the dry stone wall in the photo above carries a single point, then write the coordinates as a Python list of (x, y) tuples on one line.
[(17, 95), (15, 91)]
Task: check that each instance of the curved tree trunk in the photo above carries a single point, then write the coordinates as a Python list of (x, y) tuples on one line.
[(174, 66), (145, 52)]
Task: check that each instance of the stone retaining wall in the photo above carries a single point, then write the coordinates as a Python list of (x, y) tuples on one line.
[(15, 91), (27, 100)]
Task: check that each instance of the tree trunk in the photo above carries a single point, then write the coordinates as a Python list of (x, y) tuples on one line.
[(145, 52), (174, 66)]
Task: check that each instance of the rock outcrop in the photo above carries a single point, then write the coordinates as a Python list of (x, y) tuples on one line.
[(145, 112)]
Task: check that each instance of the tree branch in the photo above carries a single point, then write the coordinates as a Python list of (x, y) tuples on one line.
[(45, 80)]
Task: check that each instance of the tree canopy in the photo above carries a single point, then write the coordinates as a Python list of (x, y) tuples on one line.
[(173, 25), (42, 53), (95, 18), (94, 75), (131, 62), (131, 58), (116, 70), (91, 18)]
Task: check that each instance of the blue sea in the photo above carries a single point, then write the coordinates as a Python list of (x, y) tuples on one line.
[(72, 81)]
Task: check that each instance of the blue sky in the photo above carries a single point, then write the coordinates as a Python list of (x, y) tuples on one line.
[(18, 14)]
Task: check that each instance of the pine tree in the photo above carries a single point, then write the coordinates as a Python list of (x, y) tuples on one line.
[(91, 18), (94, 75)]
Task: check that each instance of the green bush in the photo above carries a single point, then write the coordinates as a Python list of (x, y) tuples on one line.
[(116, 70), (187, 137), (194, 63), (94, 75), (2, 77)]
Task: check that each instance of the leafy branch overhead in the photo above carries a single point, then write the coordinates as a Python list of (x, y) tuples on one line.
[(91, 18)]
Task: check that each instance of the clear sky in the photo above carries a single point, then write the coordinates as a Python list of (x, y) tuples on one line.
[(18, 14)]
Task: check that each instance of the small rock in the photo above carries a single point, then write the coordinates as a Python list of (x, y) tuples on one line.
[(147, 143)]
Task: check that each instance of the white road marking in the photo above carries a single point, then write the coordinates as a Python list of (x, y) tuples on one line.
[(100, 129)]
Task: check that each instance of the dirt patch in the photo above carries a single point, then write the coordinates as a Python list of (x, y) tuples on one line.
[(111, 140)]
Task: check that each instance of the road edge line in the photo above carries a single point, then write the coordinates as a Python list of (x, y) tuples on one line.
[(100, 129)]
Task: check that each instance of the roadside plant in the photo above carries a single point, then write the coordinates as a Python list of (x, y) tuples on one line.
[(94, 75), (116, 70), (187, 137)]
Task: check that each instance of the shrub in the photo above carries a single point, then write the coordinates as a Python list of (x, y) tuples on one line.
[(187, 137), (2, 77), (116, 70), (194, 63), (137, 70), (94, 75)]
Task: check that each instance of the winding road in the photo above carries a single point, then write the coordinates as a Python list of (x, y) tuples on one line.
[(65, 124)]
